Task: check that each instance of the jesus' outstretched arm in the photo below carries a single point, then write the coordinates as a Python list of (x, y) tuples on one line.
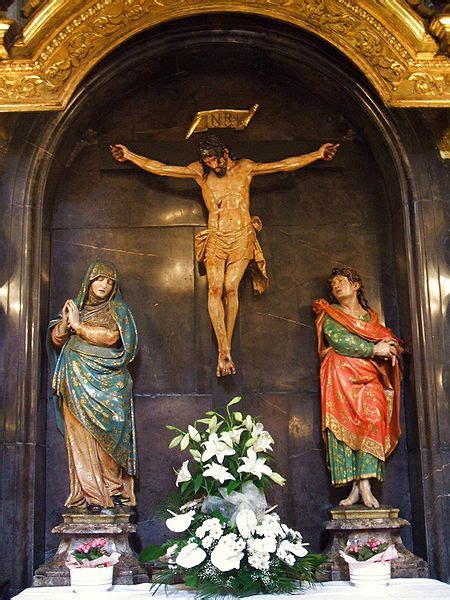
[(122, 154), (325, 152)]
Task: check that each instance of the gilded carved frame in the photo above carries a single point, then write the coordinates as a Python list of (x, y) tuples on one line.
[(65, 39)]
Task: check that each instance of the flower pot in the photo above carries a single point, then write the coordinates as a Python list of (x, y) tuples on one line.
[(91, 580), (368, 574)]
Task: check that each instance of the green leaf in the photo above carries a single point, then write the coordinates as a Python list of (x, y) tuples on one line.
[(151, 552), (185, 485), (191, 580), (173, 428), (365, 553), (232, 486), (234, 401), (184, 442), (176, 440), (198, 482)]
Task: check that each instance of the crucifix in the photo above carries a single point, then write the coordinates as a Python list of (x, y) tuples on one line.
[(229, 244)]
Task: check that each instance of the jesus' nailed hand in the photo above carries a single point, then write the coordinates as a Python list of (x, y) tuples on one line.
[(229, 244)]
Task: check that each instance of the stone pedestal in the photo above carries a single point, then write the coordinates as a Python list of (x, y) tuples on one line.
[(79, 526), (357, 524)]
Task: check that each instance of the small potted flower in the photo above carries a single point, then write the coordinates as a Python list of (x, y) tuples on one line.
[(369, 563), (90, 567)]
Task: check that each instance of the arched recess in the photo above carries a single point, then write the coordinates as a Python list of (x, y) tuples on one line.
[(42, 142)]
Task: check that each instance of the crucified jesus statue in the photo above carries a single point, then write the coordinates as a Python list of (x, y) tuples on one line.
[(229, 244)]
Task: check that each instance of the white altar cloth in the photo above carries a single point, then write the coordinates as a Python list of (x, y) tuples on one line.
[(398, 589)]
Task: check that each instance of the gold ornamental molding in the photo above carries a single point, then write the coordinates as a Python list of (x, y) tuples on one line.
[(65, 39)]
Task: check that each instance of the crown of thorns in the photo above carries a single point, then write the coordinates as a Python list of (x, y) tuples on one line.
[(211, 145)]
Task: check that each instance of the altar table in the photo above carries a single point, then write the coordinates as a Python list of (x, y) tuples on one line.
[(398, 589)]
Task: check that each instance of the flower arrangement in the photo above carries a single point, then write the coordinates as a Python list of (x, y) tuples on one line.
[(232, 543), (374, 550), (92, 554)]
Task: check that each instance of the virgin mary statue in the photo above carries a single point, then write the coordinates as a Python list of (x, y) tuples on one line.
[(90, 343)]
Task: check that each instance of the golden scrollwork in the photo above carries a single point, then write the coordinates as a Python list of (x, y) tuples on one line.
[(65, 39), (221, 117)]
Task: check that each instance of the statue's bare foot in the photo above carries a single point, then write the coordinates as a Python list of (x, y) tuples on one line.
[(225, 365), (366, 493), (353, 497)]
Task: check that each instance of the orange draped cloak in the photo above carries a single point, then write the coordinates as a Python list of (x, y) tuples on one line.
[(360, 396)]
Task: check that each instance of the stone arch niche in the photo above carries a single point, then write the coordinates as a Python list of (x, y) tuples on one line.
[(67, 202)]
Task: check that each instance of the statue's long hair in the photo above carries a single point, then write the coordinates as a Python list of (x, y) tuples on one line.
[(211, 145), (353, 277)]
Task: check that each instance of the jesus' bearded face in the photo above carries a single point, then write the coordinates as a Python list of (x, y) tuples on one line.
[(217, 164)]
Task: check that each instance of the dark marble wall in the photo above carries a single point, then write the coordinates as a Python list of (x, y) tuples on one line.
[(328, 214)]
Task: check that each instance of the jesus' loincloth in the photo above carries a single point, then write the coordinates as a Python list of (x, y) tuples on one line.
[(234, 246)]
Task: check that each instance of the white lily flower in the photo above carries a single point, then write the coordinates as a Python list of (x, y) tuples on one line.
[(214, 424), (217, 448), (277, 478), (263, 442), (227, 555), (255, 466), (258, 428), (196, 455), (195, 435), (183, 474), (248, 422), (246, 522), (218, 472), (179, 523), (231, 437), (191, 556)]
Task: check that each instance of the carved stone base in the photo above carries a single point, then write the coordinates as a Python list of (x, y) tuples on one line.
[(358, 523), (80, 526)]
